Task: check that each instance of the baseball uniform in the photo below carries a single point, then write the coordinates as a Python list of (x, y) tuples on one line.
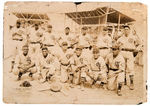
[(104, 43), (22, 62), (98, 69), (128, 43), (115, 64)]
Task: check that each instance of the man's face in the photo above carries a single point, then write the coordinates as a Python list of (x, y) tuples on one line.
[(27, 24), (64, 47), (126, 31), (78, 52), (45, 52), (96, 55), (29, 61), (104, 33), (83, 31), (49, 29), (67, 31), (36, 27), (134, 32), (23, 24), (18, 25), (25, 50), (115, 52)]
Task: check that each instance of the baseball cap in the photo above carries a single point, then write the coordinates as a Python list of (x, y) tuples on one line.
[(84, 28), (105, 29), (79, 47), (95, 50), (49, 26)]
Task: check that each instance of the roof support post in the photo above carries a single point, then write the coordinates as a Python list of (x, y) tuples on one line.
[(119, 21), (106, 15)]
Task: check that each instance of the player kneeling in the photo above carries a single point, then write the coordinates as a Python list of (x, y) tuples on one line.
[(116, 75), (24, 64), (47, 65), (98, 68), (79, 67)]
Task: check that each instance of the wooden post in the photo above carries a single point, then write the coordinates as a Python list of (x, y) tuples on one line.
[(106, 15), (80, 25), (119, 21)]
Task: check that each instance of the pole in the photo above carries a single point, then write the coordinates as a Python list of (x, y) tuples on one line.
[(119, 21)]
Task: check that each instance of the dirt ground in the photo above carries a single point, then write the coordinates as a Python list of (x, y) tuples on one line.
[(13, 93)]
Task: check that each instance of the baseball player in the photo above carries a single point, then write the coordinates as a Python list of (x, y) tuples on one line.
[(23, 24), (24, 64), (77, 64), (49, 39), (98, 69), (18, 37), (18, 33), (116, 66), (48, 65), (104, 42), (64, 59), (127, 45), (85, 41), (35, 39), (69, 38)]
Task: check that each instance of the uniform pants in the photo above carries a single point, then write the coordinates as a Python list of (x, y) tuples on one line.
[(104, 52), (115, 79), (128, 56)]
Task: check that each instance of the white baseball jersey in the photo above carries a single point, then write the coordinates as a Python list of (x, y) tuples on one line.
[(85, 40), (34, 35), (104, 41), (101, 62), (21, 59), (19, 33), (48, 38), (127, 42), (46, 61), (115, 63), (78, 61), (64, 57), (70, 39)]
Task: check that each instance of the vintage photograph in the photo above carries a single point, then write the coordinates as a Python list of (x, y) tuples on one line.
[(75, 53)]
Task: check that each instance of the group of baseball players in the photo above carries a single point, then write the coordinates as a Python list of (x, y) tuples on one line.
[(77, 59)]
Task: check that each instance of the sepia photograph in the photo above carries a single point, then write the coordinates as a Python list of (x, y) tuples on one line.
[(75, 53)]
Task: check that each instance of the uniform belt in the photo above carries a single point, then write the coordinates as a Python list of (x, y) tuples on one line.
[(49, 45), (18, 39), (86, 47), (125, 49), (70, 48), (64, 64), (113, 69), (90, 47), (103, 48), (96, 70), (34, 42)]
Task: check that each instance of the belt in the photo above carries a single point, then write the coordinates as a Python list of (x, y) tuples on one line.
[(113, 69), (125, 49), (18, 39), (96, 70), (34, 42), (86, 47), (70, 48), (90, 47), (103, 48), (64, 64), (49, 45)]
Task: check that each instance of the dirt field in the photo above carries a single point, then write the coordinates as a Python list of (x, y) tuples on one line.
[(13, 93)]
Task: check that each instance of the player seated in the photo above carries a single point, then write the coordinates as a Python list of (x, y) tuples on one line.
[(98, 69), (116, 74), (24, 64)]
